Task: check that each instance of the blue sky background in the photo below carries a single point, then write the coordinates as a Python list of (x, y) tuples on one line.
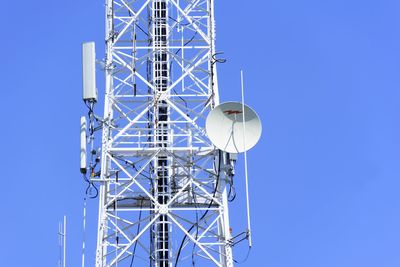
[(323, 76)]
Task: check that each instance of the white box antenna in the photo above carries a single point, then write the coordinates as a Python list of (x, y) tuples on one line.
[(83, 144), (89, 72)]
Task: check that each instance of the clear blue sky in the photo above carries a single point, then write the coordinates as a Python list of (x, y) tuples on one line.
[(324, 77)]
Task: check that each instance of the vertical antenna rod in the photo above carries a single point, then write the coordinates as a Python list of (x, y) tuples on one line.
[(62, 234), (245, 162), (84, 232), (65, 241)]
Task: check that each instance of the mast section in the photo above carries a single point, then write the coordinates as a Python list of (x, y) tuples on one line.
[(162, 198)]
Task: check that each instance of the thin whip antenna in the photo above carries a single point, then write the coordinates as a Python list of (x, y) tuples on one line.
[(245, 163), (62, 238), (65, 241), (84, 233)]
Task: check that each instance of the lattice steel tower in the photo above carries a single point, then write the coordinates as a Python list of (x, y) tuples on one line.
[(162, 184)]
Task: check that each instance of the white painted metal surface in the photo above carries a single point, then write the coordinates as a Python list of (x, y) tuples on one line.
[(245, 161), (162, 184), (62, 240), (89, 71), (233, 127), (83, 144)]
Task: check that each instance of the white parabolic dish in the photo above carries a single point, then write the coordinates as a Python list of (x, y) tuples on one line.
[(226, 130)]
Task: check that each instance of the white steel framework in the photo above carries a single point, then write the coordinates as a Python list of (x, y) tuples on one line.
[(162, 196)]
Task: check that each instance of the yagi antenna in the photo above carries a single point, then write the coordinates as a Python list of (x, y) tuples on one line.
[(233, 127)]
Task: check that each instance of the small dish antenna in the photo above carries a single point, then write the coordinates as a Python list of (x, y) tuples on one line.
[(233, 127)]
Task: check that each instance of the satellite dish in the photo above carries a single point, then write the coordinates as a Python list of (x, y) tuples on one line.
[(226, 130)]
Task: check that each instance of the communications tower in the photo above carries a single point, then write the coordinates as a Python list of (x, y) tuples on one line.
[(162, 185)]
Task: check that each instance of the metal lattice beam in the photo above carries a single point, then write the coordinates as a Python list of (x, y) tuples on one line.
[(162, 198)]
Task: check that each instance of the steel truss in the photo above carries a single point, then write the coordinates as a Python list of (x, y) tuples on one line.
[(162, 199)]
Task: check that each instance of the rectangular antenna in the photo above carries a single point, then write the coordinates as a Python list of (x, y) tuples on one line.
[(83, 144), (89, 71)]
